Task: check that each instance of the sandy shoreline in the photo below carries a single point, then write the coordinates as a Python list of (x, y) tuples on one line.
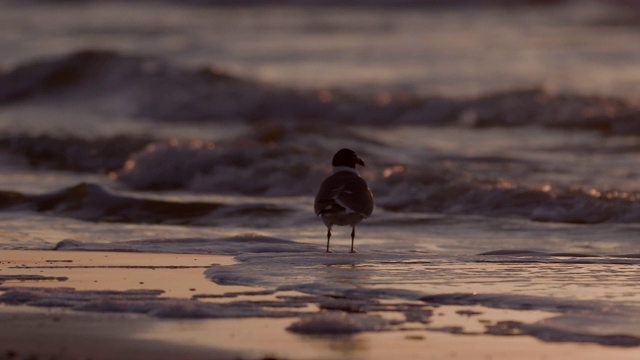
[(53, 332), (60, 334)]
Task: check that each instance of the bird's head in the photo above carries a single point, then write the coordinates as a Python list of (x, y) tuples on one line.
[(346, 157)]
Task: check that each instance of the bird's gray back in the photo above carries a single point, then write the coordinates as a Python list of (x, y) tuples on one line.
[(348, 190)]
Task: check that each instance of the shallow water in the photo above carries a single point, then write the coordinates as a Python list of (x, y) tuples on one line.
[(192, 133)]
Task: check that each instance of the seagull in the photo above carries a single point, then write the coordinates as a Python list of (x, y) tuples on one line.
[(344, 198)]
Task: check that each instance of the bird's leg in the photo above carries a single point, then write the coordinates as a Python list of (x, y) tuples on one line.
[(353, 236), (328, 238)]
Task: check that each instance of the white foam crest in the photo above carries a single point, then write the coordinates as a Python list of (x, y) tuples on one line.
[(451, 193), (167, 165), (249, 168)]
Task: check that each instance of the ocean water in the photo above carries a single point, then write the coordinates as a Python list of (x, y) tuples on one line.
[(501, 147)]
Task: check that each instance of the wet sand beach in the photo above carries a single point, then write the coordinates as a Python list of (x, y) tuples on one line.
[(47, 331)]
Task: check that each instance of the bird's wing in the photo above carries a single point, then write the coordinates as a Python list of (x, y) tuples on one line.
[(344, 192), (326, 198)]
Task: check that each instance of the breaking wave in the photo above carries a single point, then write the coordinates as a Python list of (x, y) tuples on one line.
[(456, 194), (202, 171), (210, 94), (290, 132), (91, 202)]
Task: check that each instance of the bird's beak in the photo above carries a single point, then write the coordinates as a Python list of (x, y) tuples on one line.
[(359, 161)]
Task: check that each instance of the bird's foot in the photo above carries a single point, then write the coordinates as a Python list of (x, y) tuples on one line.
[(352, 251)]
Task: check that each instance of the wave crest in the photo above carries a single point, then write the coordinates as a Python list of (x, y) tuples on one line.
[(441, 191), (246, 169), (92, 202), (209, 94)]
